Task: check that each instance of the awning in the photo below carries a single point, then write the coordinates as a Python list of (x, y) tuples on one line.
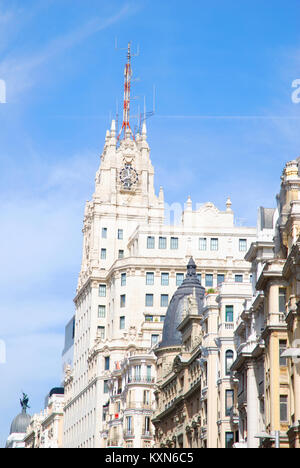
[(291, 353)]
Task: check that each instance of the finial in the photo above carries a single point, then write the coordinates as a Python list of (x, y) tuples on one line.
[(144, 130), (189, 203), (228, 204)]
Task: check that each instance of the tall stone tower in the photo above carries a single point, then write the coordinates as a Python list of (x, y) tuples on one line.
[(132, 263)]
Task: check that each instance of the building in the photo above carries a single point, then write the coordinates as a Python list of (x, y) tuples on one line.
[(18, 428), (133, 261), (267, 335), (196, 398), (45, 430)]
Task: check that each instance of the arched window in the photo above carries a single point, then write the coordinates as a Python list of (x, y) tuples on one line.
[(228, 361)]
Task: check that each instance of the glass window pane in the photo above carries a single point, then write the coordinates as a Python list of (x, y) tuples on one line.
[(101, 311), (165, 279), (149, 300), (209, 280), (243, 245), (105, 387), (202, 243), (162, 243), (121, 253), (229, 313), (122, 323), (123, 300), (149, 318), (199, 277), (123, 279), (174, 243), (101, 332), (103, 254), (229, 401), (149, 279), (179, 279), (150, 242), (282, 300), (102, 290), (154, 339), (238, 278), (220, 279), (282, 348), (229, 439), (229, 361), (107, 363), (283, 408), (120, 234), (214, 244), (104, 233), (164, 300)]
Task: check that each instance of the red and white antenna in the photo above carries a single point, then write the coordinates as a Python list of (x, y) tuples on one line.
[(126, 129)]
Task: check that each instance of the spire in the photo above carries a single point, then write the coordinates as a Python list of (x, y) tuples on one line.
[(126, 129), (228, 204)]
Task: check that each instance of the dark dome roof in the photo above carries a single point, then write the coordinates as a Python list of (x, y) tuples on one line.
[(20, 423), (57, 391), (191, 284)]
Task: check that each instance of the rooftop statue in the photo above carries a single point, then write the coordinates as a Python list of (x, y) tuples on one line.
[(24, 402)]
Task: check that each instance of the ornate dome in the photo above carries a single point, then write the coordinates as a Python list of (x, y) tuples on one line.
[(20, 423), (191, 285)]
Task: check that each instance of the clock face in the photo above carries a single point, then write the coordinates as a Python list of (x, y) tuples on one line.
[(128, 177)]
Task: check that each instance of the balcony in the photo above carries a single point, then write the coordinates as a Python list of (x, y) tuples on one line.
[(128, 434), (141, 380), (146, 434), (139, 405), (113, 443)]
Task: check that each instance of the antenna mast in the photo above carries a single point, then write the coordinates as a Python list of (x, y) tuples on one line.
[(126, 129)]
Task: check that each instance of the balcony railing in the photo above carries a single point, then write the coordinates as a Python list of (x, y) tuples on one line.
[(139, 405), (113, 443), (139, 379), (128, 433), (147, 433)]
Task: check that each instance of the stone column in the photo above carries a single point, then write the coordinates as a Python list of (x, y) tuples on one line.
[(252, 407)]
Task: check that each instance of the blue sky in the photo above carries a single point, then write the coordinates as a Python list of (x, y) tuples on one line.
[(225, 124)]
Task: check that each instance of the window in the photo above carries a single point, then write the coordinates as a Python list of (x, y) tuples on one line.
[(120, 234), (103, 254), (229, 401), (150, 242), (102, 290), (150, 279), (137, 373), (214, 244), (149, 300), (154, 340), (147, 424), (101, 333), (105, 386), (209, 280), (165, 279), (282, 300), (121, 253), (229, 313), (122, 323), (202, 243), (282, 348), (283, 408), (149, 373), (243, 245), (228, 361), (149, 318), (174, 243), (123, 279), (123, 300), (129, 424), (238, 278), (229, 440), (106, 363), (179, 279), (162, 318), (199, 277), (146, 397), (162, 243), (104, 233), (164, 300), (220, 279), (101, 311)]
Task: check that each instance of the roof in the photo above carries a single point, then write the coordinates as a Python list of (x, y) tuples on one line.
[(191, 284), (20, 423), (57, 391)]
